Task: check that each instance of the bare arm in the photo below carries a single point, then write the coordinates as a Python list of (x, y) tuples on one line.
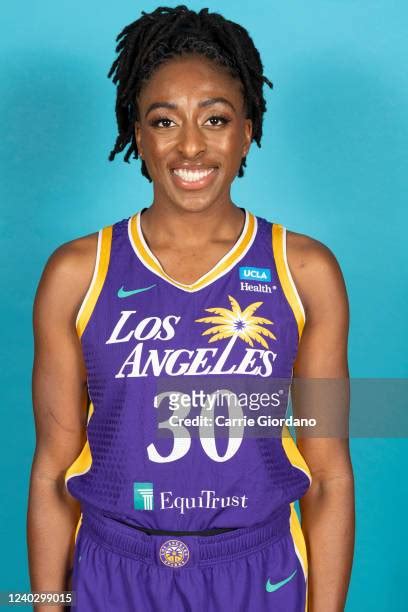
[(327, 509), (60, 402)]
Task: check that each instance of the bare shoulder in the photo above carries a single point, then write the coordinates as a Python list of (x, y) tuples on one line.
[(308, 253), (67, 275), (316, 274)]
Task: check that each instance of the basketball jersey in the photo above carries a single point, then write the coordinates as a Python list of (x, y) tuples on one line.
[(162, 450)]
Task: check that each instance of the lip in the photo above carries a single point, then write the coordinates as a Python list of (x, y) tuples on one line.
[(189, 166), (193, 186)]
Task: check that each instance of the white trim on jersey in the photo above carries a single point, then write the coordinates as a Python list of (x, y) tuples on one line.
[(199, 283)]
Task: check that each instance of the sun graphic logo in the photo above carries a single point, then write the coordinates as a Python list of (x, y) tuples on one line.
[(237, 323), (174, 553)]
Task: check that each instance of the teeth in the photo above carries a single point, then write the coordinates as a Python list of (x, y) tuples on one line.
[(192, 175)]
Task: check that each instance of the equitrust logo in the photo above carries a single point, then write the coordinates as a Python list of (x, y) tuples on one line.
[(143, 495), (206, 499)]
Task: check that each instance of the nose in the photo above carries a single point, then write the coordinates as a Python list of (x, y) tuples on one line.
[(191, 141)]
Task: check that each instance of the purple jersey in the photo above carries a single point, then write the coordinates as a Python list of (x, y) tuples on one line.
[(148, 341)]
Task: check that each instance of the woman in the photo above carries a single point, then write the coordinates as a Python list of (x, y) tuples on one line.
[(136, 321)]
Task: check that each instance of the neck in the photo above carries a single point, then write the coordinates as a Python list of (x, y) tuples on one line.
[(173, 225)]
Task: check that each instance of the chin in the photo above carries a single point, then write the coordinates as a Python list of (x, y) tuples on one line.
[(193, 206), (187, 201)]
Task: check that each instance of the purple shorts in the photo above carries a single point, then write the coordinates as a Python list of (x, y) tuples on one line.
[(117, 567)]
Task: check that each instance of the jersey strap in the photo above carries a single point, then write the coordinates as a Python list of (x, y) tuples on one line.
[(285, 276), (98, 278)]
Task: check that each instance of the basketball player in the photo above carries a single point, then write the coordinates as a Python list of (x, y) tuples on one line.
[(130, 490)]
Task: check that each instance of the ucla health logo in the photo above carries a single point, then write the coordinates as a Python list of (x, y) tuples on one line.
[(143, 495), (262, 275)]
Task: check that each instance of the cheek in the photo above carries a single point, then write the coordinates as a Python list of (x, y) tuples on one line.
[(230, 153), (157, 151), (158, 147), (230, 144)]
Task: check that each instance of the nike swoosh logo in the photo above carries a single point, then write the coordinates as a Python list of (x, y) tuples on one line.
[(274, 587), (122, 293)]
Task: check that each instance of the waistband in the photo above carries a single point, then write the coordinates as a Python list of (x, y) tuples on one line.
[(187, 550), (207, 532)]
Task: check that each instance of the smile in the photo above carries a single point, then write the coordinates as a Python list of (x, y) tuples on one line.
[(192, 176)]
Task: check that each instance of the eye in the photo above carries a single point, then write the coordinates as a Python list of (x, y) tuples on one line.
[(164, 120), (217, 120)]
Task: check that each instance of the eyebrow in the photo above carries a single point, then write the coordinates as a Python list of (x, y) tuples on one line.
[(201, 104)]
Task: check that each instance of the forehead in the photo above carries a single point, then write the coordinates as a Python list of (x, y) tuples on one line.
[(190, 77)]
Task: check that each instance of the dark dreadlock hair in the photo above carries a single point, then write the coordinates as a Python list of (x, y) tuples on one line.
[(168, 32)]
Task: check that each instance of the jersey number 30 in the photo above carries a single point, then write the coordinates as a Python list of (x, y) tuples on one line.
[(181, 435)]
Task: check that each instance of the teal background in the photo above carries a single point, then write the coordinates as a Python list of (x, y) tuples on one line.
[(333, 165)]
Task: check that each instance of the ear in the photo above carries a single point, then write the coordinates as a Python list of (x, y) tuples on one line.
[(247, 137), (138, 138)]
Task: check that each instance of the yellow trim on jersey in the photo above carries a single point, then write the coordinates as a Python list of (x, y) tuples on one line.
[(77, 528), (81, 465), (83, 462), (98, 279), (226, 263), (285, 276), (293, 453), (300, 544), (296, 459)]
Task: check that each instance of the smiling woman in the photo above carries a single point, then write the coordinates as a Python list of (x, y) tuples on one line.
[(192, 132), (162, 303)]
